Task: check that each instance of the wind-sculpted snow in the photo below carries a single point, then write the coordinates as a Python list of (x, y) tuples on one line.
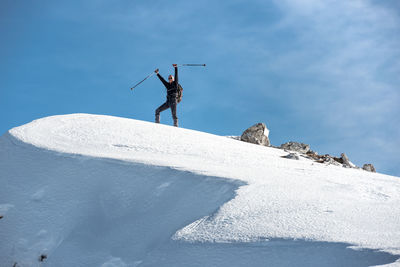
[(150, 190), (81, 211)]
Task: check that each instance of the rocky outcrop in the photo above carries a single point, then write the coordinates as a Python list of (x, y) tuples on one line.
[(256, 134), (294, 146), (369, 167), (346, 162), (306, 152), (294, 156), (327, 159)]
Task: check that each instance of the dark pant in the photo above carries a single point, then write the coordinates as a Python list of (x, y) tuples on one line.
[(170, 103)]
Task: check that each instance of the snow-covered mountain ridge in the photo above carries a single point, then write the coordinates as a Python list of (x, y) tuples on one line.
[(67, 172)]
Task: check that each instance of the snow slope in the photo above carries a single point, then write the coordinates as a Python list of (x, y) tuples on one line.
[(91, 190)]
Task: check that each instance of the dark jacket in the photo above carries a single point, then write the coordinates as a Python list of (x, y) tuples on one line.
[(172, 88)]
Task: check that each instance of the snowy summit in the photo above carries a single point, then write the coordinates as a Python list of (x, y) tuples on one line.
[(92, 190)]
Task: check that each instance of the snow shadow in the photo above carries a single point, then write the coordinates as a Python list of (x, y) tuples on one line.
[(83, 211), (275, 252)]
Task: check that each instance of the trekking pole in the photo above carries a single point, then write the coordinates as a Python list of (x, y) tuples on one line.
[(193, 65), (143, 80)]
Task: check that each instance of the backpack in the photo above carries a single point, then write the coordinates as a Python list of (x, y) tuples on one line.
[(179, 95)]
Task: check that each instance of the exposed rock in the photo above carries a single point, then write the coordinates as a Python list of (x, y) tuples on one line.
[(346, 162), (42, 257), (345, 159), (342, 161), (369, 167), (311, 154), (336, 159), (256, 134), (328, 160), (298, 147), (291, 156)]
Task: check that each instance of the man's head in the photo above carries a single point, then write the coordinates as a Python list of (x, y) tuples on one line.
[(171, 79)]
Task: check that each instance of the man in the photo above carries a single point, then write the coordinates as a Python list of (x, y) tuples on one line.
[(172, 93)]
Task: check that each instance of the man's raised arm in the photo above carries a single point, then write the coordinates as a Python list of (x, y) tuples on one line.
[(161, 78), (176, 74)]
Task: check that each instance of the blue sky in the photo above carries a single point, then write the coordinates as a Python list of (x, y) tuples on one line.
[(326, 73)]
